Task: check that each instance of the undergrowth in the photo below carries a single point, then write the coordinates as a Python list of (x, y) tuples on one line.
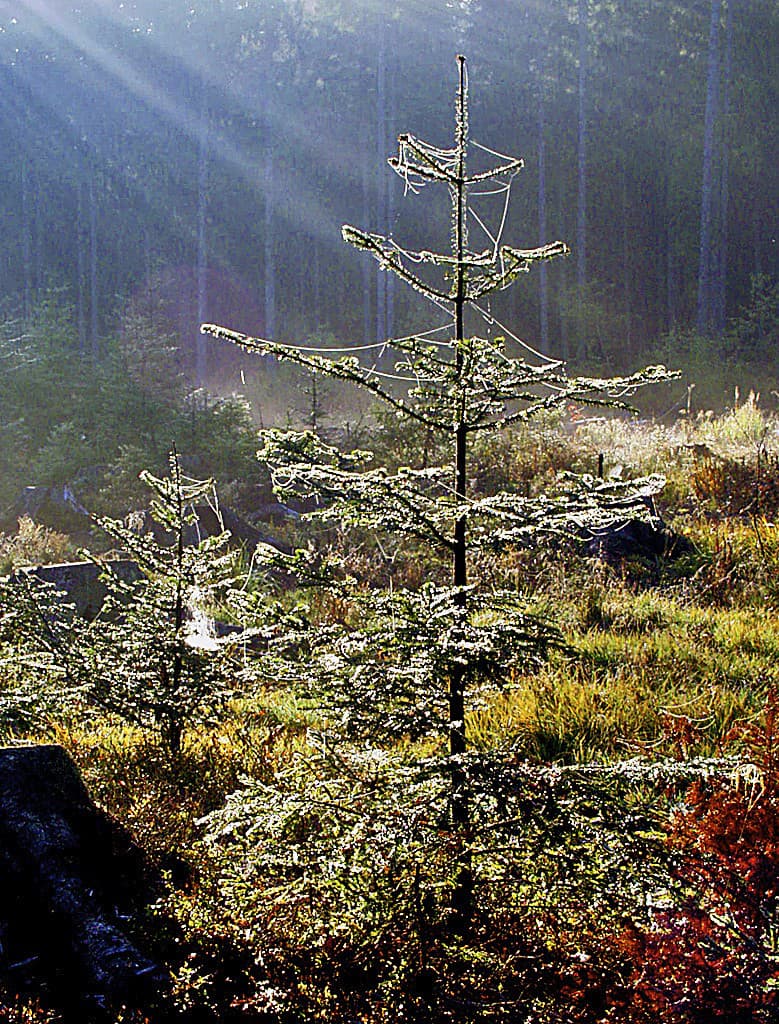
[(622, 897)]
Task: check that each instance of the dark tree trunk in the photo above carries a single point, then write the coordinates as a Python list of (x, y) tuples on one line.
[(390, 186), (94, 338), (627, 298), (581, 202), (269, 264), (462, 899), (171, 722), (704, 318), (381, 190), (565, 293), (201, 367), (367, 317), (581, 189), (543, 283)]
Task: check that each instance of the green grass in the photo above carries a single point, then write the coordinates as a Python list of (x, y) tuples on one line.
[(664, 661)]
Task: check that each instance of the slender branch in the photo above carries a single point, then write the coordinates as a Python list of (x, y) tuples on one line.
[(342, 369), (433, 168), (390, 259), (510, 168)]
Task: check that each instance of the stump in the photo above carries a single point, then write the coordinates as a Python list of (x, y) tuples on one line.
[(70, 877), (636, 538)]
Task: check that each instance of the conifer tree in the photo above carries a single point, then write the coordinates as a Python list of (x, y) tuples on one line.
[(407, 662), (149, 657)]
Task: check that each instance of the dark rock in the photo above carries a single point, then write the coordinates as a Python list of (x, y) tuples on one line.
[(80, 582), (71, 880), (275, 512), (210, 523), (636, 538), (56, 507)]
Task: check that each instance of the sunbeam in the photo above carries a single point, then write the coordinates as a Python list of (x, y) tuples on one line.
[(307, 209)]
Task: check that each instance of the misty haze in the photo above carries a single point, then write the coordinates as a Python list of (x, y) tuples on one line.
[(389, 483)]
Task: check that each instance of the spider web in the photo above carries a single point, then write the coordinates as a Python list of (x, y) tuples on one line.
[(418, 164)]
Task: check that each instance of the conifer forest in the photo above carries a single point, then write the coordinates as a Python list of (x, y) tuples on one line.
[(389, 512)]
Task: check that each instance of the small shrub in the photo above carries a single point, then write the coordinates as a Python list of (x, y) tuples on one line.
[(710, 953), (149, 657), (33, 544), (733, 486), (17, 1009)]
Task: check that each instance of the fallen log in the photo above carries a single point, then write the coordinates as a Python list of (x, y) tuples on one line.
[(70, 880)]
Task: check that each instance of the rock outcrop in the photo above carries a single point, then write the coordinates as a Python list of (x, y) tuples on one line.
[(72, 882), (80, 582), (636, 538)]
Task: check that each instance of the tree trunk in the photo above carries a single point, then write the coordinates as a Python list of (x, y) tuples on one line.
[(201, 368), (367, 318), (462, 897), (543, 283), (704, 318), (94, 340), (390, 185), (381, 190), (269, 265), (581, 202), (581, 178), (171, 724)]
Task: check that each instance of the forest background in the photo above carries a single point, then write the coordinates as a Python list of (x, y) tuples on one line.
[(190, 162), (169, 164)]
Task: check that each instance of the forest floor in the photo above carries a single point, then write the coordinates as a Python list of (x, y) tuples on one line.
[(649, 898)]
